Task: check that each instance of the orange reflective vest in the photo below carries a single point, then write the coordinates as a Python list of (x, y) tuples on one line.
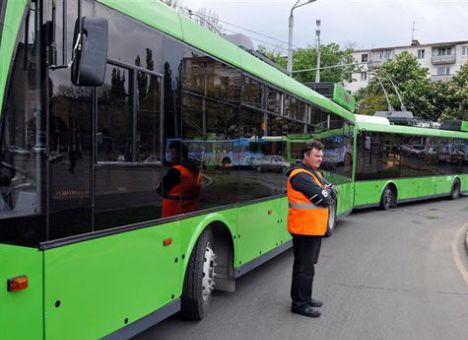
[(183, 197), (304, 217)]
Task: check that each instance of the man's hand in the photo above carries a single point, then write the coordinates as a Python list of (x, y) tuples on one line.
[(324, 198)]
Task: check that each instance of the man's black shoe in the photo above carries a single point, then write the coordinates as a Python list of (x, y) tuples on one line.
[(315, 303), (306, 311)]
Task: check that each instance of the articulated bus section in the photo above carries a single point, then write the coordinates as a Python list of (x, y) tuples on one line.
[(404, 164)]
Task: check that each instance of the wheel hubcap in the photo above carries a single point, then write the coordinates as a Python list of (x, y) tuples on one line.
[(331, 218), (388, 197), (209, 265)]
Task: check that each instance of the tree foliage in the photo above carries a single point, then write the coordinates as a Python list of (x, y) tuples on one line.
[(330, 55), (403, 75), (306, 58), (434, 101)]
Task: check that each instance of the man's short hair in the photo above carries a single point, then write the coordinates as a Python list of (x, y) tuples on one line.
[(312, 144)]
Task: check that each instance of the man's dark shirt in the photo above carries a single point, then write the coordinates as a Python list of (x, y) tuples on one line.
[(306, 184)]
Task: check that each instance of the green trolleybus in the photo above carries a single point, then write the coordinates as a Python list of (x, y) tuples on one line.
[(102, 104), (397, 164)]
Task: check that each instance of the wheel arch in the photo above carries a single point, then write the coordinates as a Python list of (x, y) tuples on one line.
[(456, 178), (223, 244), (390, 184)]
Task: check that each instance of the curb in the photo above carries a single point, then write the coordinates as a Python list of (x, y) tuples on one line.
[(466, 241)]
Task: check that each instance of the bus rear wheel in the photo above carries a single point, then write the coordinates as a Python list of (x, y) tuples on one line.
[(388, 199), (199, 279), (455, 192)]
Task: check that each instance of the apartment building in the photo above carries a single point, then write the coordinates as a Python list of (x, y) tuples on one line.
[(442, 59)]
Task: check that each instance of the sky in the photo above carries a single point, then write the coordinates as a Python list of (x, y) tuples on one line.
[(360, 24)]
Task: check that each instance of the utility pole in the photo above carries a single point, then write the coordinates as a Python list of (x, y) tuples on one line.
[(290, 37), (317, 32)]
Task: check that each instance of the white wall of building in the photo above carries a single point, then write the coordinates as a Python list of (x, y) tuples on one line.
[(441, 67)]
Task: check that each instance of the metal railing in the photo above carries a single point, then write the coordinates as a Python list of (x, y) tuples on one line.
[(444, 59)]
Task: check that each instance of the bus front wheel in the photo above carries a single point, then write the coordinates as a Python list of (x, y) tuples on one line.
[(199, 279), (388, 199), (331, 220), (455, 192)]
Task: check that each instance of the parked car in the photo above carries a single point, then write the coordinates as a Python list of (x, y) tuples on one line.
[(271, 163)]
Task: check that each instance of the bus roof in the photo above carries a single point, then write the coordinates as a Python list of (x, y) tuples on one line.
[(162, 17), (408, 130)]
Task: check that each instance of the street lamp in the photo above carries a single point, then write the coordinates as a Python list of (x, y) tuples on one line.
[(317, 73), (291, 26)]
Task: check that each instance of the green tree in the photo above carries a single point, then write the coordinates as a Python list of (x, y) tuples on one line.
[(330, 55), (410, 80), (274, 56), (306, 58), (460, 80)]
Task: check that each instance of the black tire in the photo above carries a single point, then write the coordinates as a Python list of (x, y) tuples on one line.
[(388, 199), (331, 220), (455, 192), (199, 278)]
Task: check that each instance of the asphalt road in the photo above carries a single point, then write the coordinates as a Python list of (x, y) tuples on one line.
[(383, 275)]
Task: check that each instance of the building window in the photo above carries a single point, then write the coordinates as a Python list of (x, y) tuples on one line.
[(421, 54), (443, 71), (465, 50), (363, 76), (443, 51), (384, 54), (364, 58)]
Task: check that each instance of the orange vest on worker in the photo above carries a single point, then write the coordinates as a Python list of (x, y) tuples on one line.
[(304, 217), (183, 197)]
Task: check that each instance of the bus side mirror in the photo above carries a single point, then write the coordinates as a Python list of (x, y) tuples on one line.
[(90, 51)]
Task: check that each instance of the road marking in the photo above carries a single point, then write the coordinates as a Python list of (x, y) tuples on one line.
[(456, 255)]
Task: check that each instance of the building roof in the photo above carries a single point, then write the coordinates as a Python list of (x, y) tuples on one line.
[(441, 44)]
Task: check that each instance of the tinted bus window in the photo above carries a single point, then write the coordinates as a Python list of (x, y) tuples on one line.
[(22, 150), (223, 81), (274, 99), (252, 92)]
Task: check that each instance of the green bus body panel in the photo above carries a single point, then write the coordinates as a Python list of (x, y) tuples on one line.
[(203, 39), (345, 198), (344, 98), (153, 13), (102, 282), (370, 192), (165, 19), (13, 16), (110, 279), (21, 314), (407, 130), (260, 230), (464, 126), (191, 228)]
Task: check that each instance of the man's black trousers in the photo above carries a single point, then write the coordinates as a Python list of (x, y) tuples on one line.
[(306, 254)]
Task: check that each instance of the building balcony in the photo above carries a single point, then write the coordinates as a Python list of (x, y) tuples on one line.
[(441, 78), (444, 59)]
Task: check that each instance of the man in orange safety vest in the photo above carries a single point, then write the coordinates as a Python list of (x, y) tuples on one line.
[(310, 197)]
